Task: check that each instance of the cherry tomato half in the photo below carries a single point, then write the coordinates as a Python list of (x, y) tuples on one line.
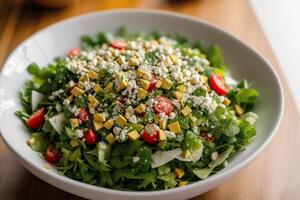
[(90, 137), (217, 83), (150, 134), (152, 84), (52, 154), (117, 44), (36, 119), (163, 105), (83, 115), (74, 52)]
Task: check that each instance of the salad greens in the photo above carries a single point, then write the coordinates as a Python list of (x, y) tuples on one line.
[(135, 111)]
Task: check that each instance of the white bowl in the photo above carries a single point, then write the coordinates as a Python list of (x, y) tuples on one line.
[(44, 46)]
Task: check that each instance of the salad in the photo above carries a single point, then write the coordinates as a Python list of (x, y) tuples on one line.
[(134, 111)]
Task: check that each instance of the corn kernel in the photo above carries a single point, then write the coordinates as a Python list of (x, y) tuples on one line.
[(74, 123), (31, 141), (156, 118), (97, 88), (122, 85), (174, 59), (182, 183), (186, 154), (76, 91), (121, 121), (80, 85), (108, 87), (158, 83), (175, 127), (162, 135), (133, 135), (119, 75), (91, 108), (74, 143), (162, 124), (144, 83), (238, 110), (98, 125), (84, 78), (100, 117), (179, 172), (140, 108), (147, 76), (162, 144), (140, 72), (167, 84), (181, 88), (93, 100), (141, 93), (133, 62), (92, 75), (186, 111), (178, 95), (226, 101), (70, 98), (108, 124), (110, 138)]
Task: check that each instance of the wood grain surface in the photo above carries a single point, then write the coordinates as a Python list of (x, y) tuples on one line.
[(275, 174)]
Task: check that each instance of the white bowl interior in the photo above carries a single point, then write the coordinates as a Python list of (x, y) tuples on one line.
[(54, 41)]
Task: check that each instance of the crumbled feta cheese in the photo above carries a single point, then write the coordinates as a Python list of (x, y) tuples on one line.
[(117, 130), (122, 137), (170, 134), (135, 159), (66, 102), (133, 119), (214, 156), (172, 115), (78, 133)]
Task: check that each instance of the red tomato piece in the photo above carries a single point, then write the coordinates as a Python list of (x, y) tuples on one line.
[(152, 84), (217, 83), (163, 105), (36, 119), (74, 52), (52, 154), (150, 134), (90, 137), (117, 44), (83, 115), (207, 136)]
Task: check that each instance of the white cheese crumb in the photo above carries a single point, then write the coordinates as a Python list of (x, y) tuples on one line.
[(214, 156), (78, 133), (135, 159), (170, 134), (117, 130), (133, 119), (172, 115)]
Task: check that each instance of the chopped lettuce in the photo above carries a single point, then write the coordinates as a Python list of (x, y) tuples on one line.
[(169, 180), (246, 98), (203, 173)]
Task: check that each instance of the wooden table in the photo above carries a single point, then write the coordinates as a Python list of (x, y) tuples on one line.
[(275, 174)]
